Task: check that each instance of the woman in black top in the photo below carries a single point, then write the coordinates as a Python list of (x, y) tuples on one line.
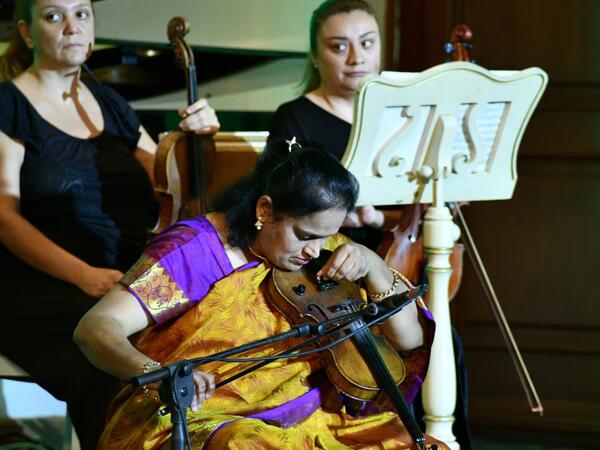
[(344, 48), (75, 200)]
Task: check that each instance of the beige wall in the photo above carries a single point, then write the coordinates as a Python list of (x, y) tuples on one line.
[(271, 25)]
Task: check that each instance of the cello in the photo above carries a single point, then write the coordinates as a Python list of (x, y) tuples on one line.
[(183, 160), (403, 248), (458, 49)]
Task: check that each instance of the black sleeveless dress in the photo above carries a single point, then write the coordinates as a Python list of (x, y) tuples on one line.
[(92, 198)]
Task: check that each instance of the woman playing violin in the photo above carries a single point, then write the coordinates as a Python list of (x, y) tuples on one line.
[(199, 289), (75, 199)]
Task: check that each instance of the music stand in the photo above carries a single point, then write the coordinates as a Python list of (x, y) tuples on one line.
[(448, 134)]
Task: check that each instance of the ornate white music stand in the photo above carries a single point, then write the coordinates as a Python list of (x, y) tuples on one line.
[(448, 134)]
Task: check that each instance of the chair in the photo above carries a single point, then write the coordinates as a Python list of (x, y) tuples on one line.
[(42, 404)]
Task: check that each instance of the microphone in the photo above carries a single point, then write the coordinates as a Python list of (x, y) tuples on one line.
[(378, 312)]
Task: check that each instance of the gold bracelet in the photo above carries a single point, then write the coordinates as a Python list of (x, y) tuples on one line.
[(149, 367), (398, 277)]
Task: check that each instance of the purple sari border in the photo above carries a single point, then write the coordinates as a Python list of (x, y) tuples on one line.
[(284, 416)]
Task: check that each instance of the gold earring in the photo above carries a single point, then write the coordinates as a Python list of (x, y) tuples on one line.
[(258, 224)]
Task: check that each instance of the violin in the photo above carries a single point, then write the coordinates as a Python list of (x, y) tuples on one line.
[(183, 160), (359, 367)]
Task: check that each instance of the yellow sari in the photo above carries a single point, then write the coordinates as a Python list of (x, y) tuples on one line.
[(234, 312)]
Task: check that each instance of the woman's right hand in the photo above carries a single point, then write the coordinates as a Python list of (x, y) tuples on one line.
[(97, 281), (199, 117)]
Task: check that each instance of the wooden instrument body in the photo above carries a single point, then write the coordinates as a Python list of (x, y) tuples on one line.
[(183, 159), (344, 363), (403, 250)]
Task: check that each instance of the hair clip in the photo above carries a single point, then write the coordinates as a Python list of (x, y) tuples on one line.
[(291, 144)]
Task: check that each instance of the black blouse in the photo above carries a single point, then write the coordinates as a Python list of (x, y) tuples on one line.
[(312, 126), (89, 196)]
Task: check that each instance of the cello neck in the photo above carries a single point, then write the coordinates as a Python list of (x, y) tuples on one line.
[(200, 148), (192, 84), (364, 341)]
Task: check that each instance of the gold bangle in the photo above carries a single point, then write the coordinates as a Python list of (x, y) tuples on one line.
[(149, 367), (398, 277), (405, 280)]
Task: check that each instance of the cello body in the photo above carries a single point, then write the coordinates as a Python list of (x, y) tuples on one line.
[(403, 249), (360, 367)]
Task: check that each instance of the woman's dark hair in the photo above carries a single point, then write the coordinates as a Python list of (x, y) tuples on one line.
[(17, 57), (300, 182), (312, 79)]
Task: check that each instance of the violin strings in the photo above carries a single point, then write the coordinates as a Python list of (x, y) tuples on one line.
[(311, 340)]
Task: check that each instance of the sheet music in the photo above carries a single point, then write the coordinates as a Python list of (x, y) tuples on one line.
[(488, 122), (456, 122)]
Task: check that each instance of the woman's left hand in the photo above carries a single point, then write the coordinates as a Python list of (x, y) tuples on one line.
[(204, 384), (199, 117), (364, 216)]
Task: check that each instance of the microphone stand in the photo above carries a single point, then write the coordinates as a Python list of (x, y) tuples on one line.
[(177, 385)]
